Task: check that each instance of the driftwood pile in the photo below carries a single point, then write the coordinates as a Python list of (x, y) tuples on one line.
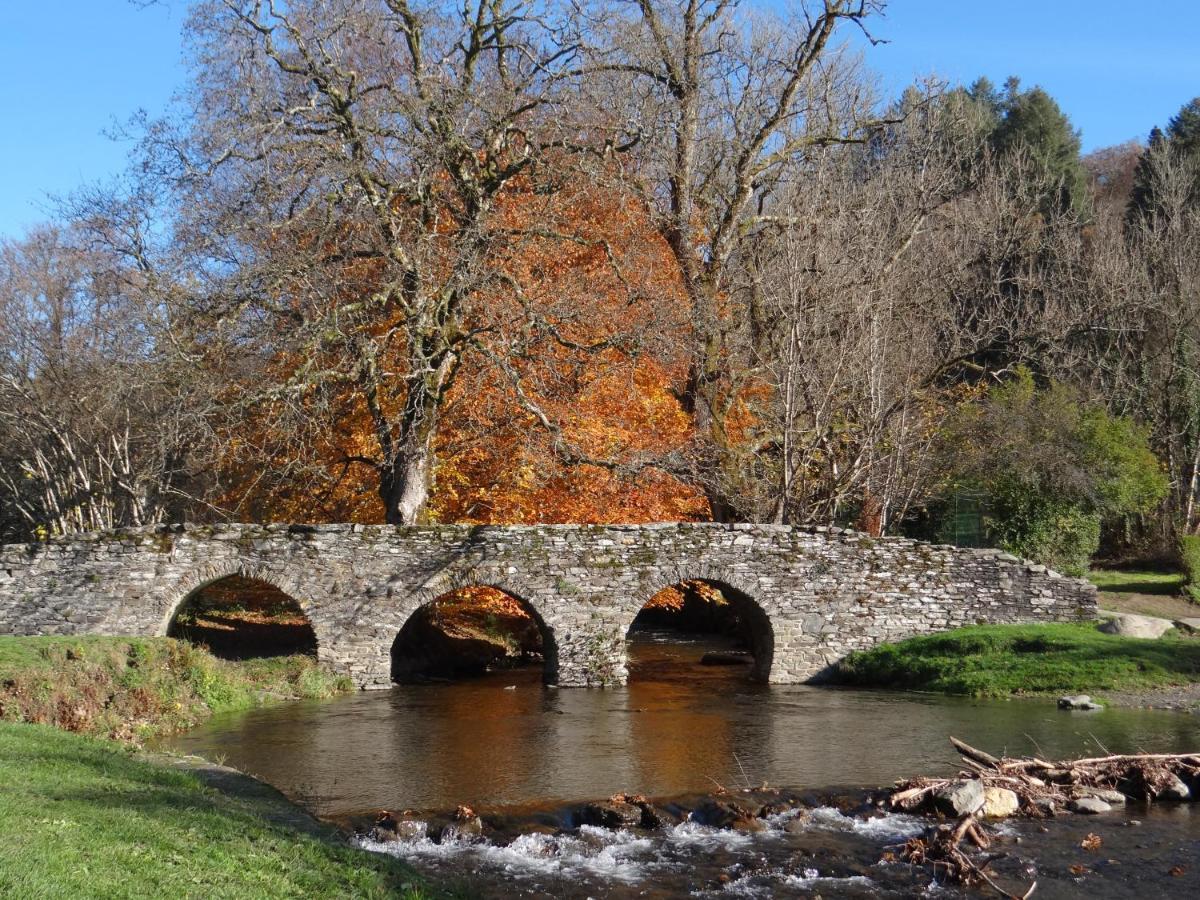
[(1041, 789)]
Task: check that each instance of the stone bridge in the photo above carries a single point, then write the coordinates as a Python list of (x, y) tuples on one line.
[(809, 596)]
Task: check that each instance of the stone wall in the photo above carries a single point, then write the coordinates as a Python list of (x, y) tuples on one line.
[(810, 595)]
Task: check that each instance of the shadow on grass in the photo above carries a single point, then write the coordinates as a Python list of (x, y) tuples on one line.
[(1165, 588)]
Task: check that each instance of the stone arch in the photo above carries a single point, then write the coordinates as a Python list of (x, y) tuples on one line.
[(761, 631), (207, 576), (448, 584)]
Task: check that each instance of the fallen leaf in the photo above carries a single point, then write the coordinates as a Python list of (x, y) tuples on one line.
[(1176, 871), (1091, 842)]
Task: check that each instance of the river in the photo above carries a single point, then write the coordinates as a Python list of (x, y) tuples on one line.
[(522, 753)]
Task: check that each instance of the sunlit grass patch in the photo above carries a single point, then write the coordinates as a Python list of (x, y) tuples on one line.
[(87, 818), (1137, 581), (1003, 660)]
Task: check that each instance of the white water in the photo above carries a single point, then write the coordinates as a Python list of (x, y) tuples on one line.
[(626, 857)]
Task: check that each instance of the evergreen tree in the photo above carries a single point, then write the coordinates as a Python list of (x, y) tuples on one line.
[(1033, 122), (1181, 141)]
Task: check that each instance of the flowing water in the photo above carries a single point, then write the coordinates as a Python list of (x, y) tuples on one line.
[(522, 754)]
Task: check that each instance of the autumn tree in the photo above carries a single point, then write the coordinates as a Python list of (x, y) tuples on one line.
[(348, 161)]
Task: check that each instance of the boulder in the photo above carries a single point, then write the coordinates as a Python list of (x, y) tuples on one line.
[(611, 814), (1078, 701), (1191, 625), (1175, 790), (1129, 625), (1000, 803), (959, 798), (1090, 806)]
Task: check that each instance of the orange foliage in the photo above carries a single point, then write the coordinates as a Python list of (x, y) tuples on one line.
[(495, 464)]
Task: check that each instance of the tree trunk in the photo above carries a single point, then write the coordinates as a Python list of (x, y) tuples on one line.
[(404, 487)]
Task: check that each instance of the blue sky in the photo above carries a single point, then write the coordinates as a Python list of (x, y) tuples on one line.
[(70, 69)]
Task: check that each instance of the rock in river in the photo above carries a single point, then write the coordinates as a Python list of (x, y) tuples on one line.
[(1175, 790), (959, 798), (1078, 701), (1000, 803), (1089, 806), (724, 814), (611, 814)]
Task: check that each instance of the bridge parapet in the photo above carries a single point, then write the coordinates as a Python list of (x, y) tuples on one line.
[(812, 594)]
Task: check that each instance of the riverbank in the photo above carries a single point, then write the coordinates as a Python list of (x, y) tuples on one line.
[(132, 689), (87, 814), (88, 817), (1017, 660)]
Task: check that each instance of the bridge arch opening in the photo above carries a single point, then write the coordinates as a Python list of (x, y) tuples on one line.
[(700, 623), (239, 617), (469, 632)]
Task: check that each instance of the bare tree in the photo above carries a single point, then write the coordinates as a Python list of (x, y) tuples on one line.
[(730, 106), (100, 418)]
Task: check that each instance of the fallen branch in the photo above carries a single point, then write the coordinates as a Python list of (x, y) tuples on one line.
[(1041, 788)]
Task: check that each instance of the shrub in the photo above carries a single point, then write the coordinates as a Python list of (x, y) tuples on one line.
[(1049, 467), (1059, 535), (1189, 555)]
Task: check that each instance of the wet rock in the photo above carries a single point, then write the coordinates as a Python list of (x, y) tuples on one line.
[(1129, 625), (959, 798), (656, 817), (798, 825), (1109, 796), (611, 814), (773, 809), (1078, 701), (389, 827), (1175, 790), (1046, 806), (726, 814), (749, 825), (467, 827), (1089, 806), (1000, 803)]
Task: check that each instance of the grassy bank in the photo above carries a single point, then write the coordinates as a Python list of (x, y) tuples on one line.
[(133, 688), (1137, 581), (86, 818), (1003, 660)]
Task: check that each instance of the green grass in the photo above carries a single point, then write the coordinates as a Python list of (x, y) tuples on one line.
[(133, 688), (83, 817), (1003, 660), (1119, 581)]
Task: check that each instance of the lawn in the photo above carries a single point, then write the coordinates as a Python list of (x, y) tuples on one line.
[(1121, 581), (1004, 660), (82, 817), (1144, 593)]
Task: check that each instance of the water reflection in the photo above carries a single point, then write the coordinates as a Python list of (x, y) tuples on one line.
[(506, 740)]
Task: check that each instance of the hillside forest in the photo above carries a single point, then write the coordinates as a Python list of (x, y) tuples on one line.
[(509, 262)]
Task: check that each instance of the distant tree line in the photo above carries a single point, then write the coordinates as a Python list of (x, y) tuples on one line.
[(675, 259)]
